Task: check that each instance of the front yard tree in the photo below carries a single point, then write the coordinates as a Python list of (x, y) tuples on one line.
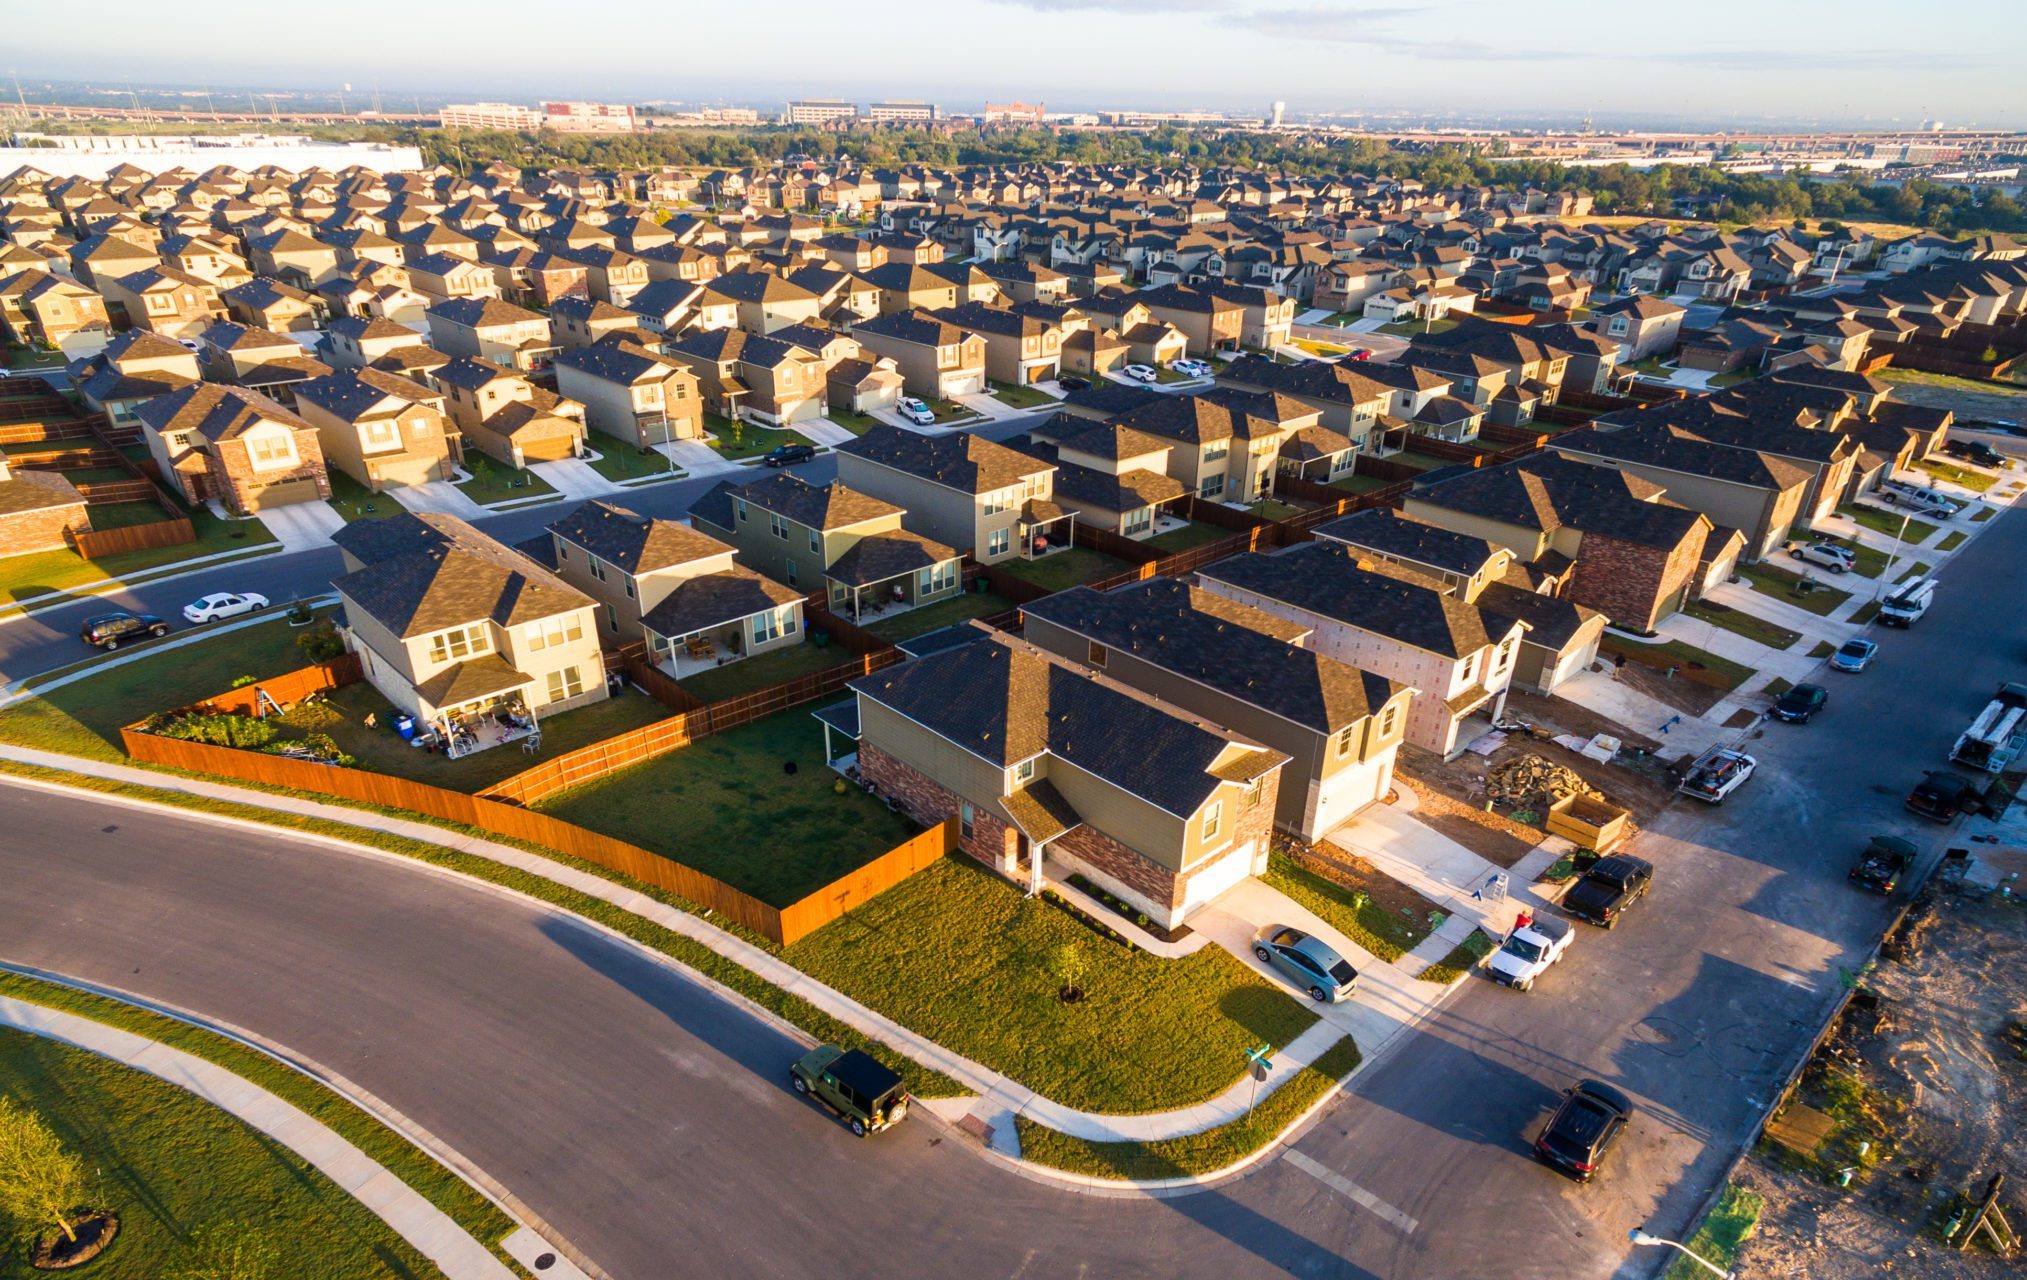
[(40, 1182), (1068, 966)]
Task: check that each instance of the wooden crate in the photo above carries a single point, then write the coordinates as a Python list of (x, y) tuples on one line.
[(1593, 824)]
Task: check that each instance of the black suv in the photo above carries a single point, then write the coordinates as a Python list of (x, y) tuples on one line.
[(1799, 703), (1071, 382), (1940, 797), (111, 630), (784, 455), (1975, 451), (1608, 888), (1583, 1128)]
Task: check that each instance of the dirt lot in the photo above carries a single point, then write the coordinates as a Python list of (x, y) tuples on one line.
[(1341, 865), (1452, 793), (1929, 1078), (2000, 404)]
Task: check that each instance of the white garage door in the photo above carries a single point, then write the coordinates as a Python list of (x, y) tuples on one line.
[(1219, 876)]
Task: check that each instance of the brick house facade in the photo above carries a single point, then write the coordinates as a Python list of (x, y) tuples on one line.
[(1634, 585), (38, 511)]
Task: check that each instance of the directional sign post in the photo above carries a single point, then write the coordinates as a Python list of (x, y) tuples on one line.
[(1258, 1063)]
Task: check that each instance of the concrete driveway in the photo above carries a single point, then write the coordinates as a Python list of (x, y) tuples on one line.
[(301, 526)]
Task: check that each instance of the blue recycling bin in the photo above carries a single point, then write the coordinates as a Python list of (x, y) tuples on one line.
[(404, 724)]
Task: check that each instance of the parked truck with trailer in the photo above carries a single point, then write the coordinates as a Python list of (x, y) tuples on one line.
[(1999, 734)]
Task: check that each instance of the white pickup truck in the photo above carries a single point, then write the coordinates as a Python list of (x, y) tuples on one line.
[(1535, 943), (1716, 774)]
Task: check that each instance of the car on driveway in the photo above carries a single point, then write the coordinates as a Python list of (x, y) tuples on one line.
[(1835, 558), (787, 455), (1071, 382), (1583, 1129), (1854, 656), (1190, 368), (1535, 943), (864, 1092), (223, 604), (915, 411), (1327, 976), (1613, 884), (1883, 865), (1975, 451), (1941, 796), (1799, 703), (111, 630), (1140, 372)]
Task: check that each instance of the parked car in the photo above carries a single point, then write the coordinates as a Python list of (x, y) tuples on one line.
[(1612, 884), (1583, 1128), (1883, 863), (1798, 704), (1835, 558), (1975, 451), (1941, 796), (1140, 372), (1190, 368), (787, 455), (111, 630), (1535, 943), (1921, 497), (915, 411), (1358, 353), (858, 1087), (1854, 656), (1716, 774), (1327, 976), (223, 604), (1071, 382)]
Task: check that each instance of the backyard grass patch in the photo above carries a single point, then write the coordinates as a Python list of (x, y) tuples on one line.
[(1190, 535), (729, 806), (1355, 915), (125, 515), (1020, 397), (1061, 570), (177, 1169), (944, 613), (1741, 623), (84, 718), (1886, 522), (1722, 1234), (1360, 484), (1975, 481), (45, 572), (921, 1080), (1195, 1154), (1820, 600), (1952, 541), (960, 956), (764, 671), (1946, 381), (1461, 959)]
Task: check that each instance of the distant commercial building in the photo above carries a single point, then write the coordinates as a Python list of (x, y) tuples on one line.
[(588, 117), (1274, 116), (1012, 113), (901, 112), (489, 115), (818, 111)]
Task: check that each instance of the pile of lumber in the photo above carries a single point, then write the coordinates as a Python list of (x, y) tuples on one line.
[(1532, 782)]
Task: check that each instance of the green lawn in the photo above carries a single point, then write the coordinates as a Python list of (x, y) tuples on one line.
[(749, 674), (178, 1170), (1821, 649), (125, 515), (1739, 622), (1919, 568), (1864, 613), (1983, 514), (1460, 959), (1676, 653), (1190, 535), (1952, 541), (1269, 509), (1020, 397), (961, 956), (43, 572), (1198, 1153), (744, 439), (1370, 925), (98, 475), (354, 501), (944, 613), (728, 806), (948, 410), (1947, 382), (1976, 481), (1722, 1234), (1786, 587), (619, 462), (853, 421), (494, 482), (1360, 484), (84, 718), (382, 750), (1061, 570), (1883, 521)]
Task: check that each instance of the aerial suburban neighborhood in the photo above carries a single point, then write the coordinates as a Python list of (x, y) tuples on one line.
[(789, 685)]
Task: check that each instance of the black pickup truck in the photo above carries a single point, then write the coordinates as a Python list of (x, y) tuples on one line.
[(1608, 888)]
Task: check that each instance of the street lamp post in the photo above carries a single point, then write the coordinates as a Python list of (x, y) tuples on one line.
[(1893, 557), (1638, 1236)]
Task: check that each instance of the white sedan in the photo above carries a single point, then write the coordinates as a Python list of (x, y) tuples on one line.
[(223, 605), (1140, 372), (1190, 368)]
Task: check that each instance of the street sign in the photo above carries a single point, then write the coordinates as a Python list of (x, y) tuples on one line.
[(1262, 1059)]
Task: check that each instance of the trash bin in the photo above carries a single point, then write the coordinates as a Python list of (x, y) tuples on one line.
[(821, 639), (404, 724)]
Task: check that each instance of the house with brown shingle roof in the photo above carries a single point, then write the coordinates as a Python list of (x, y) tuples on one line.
[(962, 489), (235, 445)]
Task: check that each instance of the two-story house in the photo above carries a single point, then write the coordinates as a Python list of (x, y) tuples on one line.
[(380, 428), (505, 416), (963, 490), (937, 360), (632, 393), (1020, 347), (238, 446), (353, 342), (749, 378), (488, 329)]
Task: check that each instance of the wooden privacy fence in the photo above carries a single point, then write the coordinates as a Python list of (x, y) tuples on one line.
[(105, 491), (856, 888), (1115, 545), (173, 532)]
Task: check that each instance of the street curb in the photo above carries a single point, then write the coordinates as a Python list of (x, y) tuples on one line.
[(104, 587)]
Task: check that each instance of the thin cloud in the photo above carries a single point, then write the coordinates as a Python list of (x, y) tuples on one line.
[(1821, 60), (1121, 6)]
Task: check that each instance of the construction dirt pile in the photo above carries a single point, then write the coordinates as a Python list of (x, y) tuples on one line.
[(1531, 782)]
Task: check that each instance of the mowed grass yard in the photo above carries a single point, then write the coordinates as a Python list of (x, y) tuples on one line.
[(961, 956), (728, 806), (84, 718), (1061, 570), (184, 1176), (43, 572)]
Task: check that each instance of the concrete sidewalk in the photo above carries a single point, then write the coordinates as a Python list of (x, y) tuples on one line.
[(439, 496), (429, 1229)]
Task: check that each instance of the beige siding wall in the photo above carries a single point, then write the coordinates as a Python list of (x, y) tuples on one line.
[(933, 757), (933, 511), (1525, 544)]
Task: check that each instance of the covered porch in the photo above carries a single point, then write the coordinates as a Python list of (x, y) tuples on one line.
[(475, 706), (840, 722), (1045, 528), (889, 573), (720, 618), (1319, 454)]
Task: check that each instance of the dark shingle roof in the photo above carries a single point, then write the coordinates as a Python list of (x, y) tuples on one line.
[(965, 462), (1326, 579), (428, 572), (1388, 534), (828, 506), (714, 599), (880, 556), (631, 541), (216, 412)]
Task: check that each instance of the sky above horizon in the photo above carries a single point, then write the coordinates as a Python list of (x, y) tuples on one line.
[(1892, 64)]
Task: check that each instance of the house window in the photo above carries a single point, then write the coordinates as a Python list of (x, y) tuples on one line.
[(271, 452), (565, 684), (611, 618), (790, 575), (740, 505), (1470, 672), (816, 541), (777, 526), (1214, 816), (1024, 771), (1346, 738), (597, 567), (1097, 654), (1504, 658), (456, 646), (1386, 721), (997, 542), (941, 577), (381, 435), (1139, 521), (629, 588), (965, 815), (552, 632), (773, 625), (1254, 790)]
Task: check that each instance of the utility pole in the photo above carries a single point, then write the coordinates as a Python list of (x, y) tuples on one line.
[(1886, 575)]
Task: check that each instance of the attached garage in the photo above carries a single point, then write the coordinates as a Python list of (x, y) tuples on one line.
[(1210, 879), (417, 469), (281, 495), (547, 448)]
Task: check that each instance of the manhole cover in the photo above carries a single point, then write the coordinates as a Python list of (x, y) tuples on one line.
[(1665, 1034)]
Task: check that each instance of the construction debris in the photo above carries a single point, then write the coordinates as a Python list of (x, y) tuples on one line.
[(1535, 783)]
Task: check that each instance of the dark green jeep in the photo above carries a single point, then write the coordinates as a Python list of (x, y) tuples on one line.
[(853, 1084)]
